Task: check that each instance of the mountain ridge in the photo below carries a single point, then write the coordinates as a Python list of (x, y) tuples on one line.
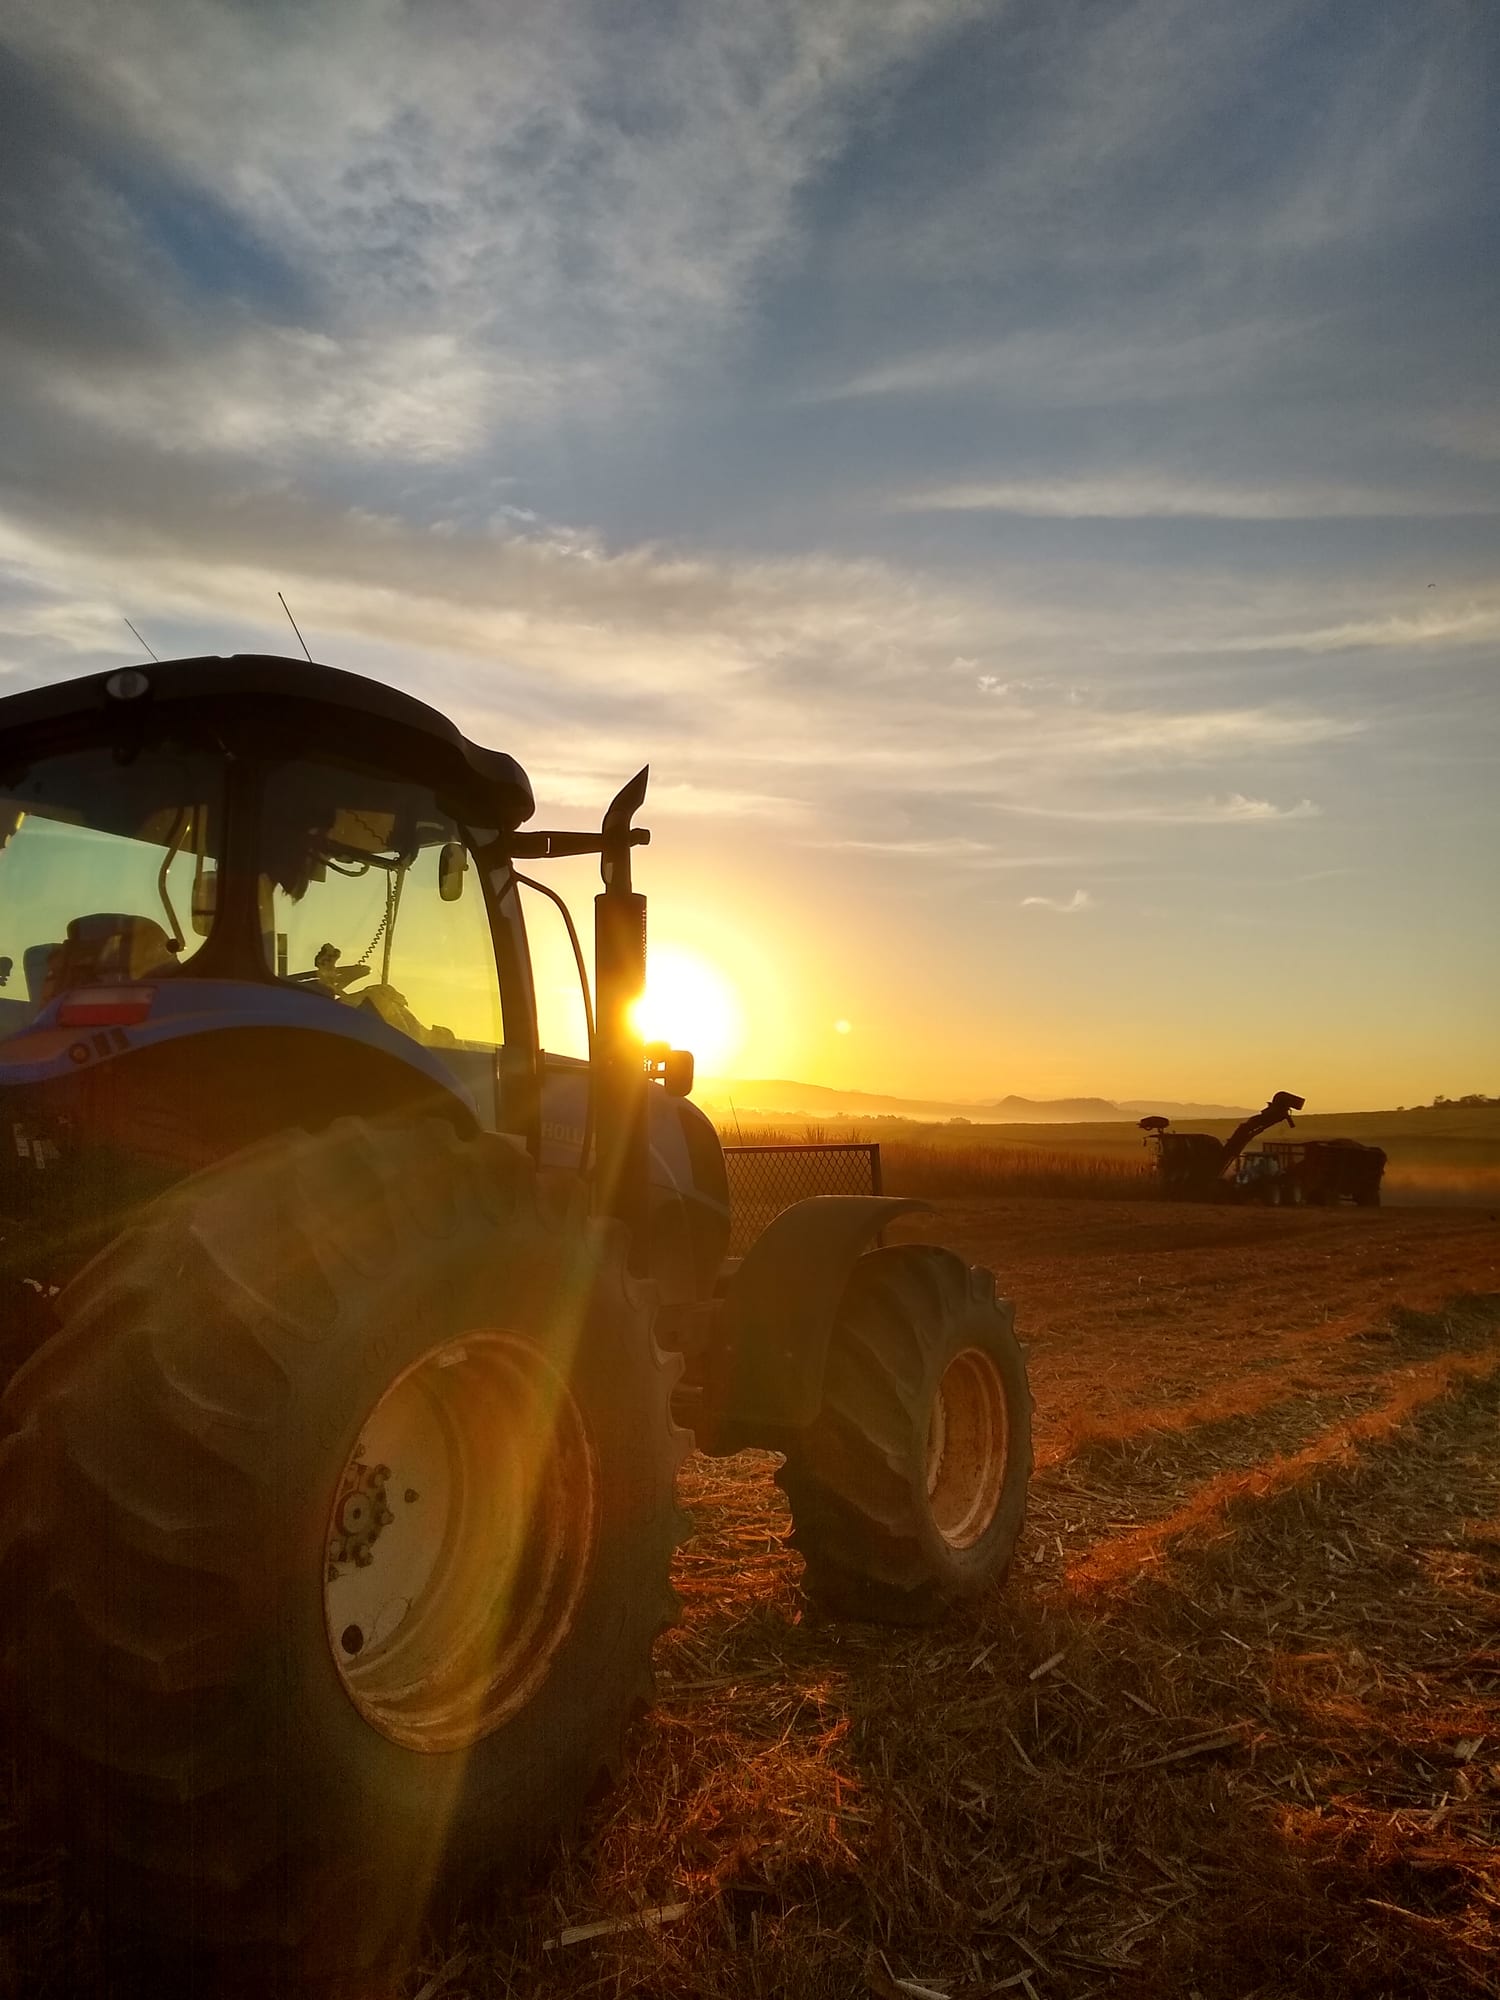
[(785, 1097)]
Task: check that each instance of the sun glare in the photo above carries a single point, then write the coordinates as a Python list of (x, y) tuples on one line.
[(689, 1003)]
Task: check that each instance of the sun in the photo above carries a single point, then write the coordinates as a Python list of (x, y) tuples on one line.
[(689, 1003)]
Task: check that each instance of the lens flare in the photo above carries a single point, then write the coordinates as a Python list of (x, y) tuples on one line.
[(690, 1003)]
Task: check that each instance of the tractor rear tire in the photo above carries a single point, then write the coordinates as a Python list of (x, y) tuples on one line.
[(250, 1723), (908, 1492)]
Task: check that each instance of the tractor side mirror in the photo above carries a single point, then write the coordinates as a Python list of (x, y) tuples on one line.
[(672, 1067), (205, 900), (453, 865)]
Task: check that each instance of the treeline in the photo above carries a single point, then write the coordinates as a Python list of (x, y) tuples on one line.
[(1475, 1101)]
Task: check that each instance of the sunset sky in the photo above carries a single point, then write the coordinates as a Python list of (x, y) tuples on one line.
[(1027, 477)]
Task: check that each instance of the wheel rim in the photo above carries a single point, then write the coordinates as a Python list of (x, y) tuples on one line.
[(459, 1541), (966, 1448)]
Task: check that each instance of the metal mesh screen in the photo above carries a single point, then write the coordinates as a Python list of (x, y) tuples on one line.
[(763, 1180)]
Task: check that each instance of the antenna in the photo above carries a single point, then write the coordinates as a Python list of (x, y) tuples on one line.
[(294, 625), (154, 656)]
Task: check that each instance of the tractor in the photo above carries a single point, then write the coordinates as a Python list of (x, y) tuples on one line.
[(353, 1340)]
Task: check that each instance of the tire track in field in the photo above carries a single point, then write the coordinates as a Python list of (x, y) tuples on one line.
[(1470, 1350), (1324, 1356), (1324, 1692), (1114, 1488)]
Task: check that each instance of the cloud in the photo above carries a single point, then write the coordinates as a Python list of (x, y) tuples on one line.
[(819, 695), (407, 230), (1061, 366), (1236, 810), (479, 339), (956, 849), (1473, 625), (1131, 496), (280, 393), (1078, 901)]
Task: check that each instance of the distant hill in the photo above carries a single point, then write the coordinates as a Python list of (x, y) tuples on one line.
[(782, 1097)]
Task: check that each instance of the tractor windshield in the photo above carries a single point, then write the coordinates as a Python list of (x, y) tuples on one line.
[(107, 871), (367, 895)]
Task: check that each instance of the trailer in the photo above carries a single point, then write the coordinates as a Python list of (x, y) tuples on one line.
[(1319, 1172)]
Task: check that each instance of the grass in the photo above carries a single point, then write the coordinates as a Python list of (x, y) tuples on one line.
[(1439, 1157), (981, 1170), (932, 1169)]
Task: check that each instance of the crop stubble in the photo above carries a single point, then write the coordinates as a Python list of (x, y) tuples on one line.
[(1233, 1728)]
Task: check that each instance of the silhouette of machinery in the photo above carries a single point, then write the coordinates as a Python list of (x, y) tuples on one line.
[(1195, 1166)]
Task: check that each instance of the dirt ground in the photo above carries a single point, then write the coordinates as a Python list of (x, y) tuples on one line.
[(1232, 1729)]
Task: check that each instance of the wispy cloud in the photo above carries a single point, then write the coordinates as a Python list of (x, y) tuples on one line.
[(1061, 366), (1131, 496), (1236, 810), (407, 231), (954, 849), (1071, 907), (1470, 625)]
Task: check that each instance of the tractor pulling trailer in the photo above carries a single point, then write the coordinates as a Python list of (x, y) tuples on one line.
[(353, 1341)]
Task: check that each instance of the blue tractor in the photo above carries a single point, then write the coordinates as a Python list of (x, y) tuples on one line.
[(353, 1341)]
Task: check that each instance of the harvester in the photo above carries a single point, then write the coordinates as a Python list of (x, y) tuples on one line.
[(353, 1340), (1195, 1166)]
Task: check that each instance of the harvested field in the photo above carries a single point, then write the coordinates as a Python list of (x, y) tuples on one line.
[(1233, 1729)]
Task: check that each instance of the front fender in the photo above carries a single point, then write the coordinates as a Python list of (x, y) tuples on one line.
[(765, 1375)]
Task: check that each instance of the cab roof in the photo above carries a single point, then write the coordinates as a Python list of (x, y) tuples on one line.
[(301, 699)]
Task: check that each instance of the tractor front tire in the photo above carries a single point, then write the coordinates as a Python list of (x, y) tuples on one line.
[(339, 1517), (908, 1491)]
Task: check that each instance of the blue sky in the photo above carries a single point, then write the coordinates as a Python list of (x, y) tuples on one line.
[(1028, 477)]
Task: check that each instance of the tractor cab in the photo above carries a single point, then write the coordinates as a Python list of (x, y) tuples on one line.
[(238, 839)]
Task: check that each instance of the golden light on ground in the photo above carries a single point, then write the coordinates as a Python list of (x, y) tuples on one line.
[(690, 1003)]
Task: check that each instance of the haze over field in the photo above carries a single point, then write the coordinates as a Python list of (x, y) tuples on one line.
[(1026, 476), (780, 1095)]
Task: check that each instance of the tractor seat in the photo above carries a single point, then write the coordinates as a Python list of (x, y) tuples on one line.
[(39, 964), (109, 945)]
